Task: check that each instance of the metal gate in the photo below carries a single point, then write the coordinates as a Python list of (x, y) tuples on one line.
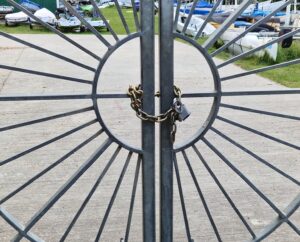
[(143, 101)]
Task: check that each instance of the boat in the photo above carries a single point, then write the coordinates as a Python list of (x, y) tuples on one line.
[(218, 17), (250, 41), (30, 6), (241, 24), (6, 9), (202, 8), (195, 24), (97, 23), (67, 22), (93, 18), (87, 9), (128, 3), (45, 15), (16, 18)]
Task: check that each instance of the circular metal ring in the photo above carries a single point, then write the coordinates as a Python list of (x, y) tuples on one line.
[(94, 92), (217, 98)]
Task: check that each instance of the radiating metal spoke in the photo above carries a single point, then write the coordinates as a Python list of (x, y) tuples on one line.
[(177, 11), (49, 168), (293, 206), (274, 168), (45, 97), (90, 27), (252, 27), (45, 74), (85, 166), (261, 47), (216, 34), (35, 121), (208, 19), (202, 197), (49, 52), (91, 193), (98, 12), (251, 110), (258, 133), (17, 226), (135, 182), (240, 93), (63, 97), (34, 148), (18, 6), (136, 18), (121, 15), (188, 20), (232, 204), (111, 202), (112, 95), (203, 94), (249, 183), (259, 93), (185, 217), (263, 69)]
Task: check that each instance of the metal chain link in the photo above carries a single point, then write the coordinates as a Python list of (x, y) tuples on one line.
[(136, 95)]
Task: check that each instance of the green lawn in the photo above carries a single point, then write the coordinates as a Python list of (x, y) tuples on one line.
[(111, 14), (288, 76), (23, 29)]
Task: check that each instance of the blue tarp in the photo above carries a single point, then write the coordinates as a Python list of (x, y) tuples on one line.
[(204, 4)]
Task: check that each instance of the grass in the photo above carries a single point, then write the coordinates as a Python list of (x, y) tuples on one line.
[(288, 76), (110, 14), (23, 29)]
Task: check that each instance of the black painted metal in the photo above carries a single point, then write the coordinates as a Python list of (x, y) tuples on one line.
[(148, 128), (166, 78)]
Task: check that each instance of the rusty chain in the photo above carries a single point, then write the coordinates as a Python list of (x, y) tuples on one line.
[(136, 95)]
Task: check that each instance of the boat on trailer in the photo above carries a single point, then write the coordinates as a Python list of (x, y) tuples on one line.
[(250, 41), (30, 6), (6, 9), (16, 18), (45, 15), (67, 22), (128, 3), (194, 26)]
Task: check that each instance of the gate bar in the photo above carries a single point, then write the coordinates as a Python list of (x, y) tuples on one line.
[(167, 95), (148, 128)]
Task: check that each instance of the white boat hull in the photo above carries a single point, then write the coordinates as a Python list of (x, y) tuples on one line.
[(96, 23), (249, 42), (45, 15), (194, 26), (6, 9), (72, 22), (15, 18)]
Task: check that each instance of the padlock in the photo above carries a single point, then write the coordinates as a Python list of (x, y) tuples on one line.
[(184, 114), (181, 110)]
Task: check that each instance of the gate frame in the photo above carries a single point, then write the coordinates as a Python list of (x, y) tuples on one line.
[(148, 128)]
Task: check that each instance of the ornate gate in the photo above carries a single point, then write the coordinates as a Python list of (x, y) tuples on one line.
[(172, 109)]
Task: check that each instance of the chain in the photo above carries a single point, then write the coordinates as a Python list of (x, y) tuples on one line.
[(136, 95)]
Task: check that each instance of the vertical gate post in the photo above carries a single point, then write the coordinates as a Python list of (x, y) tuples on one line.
[(148, 128), (167, 95)]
